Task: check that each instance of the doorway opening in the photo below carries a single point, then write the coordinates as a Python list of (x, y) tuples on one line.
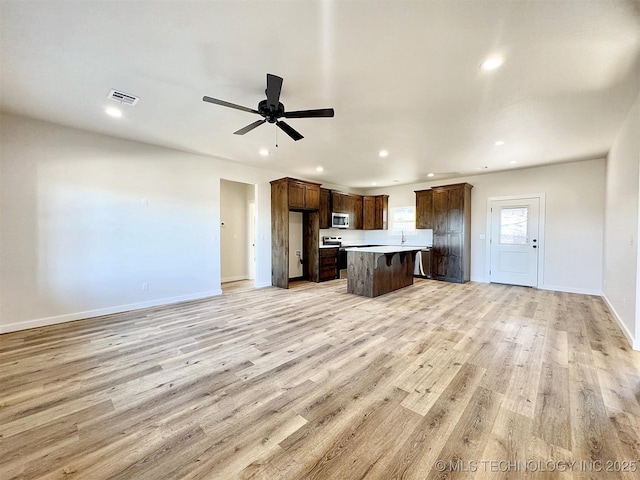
[(237, 236), (515, 246)]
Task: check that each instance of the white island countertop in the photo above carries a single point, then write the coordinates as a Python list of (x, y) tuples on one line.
[(384, 249)]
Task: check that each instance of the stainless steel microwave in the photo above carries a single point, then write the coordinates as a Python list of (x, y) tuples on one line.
[(340, 220)]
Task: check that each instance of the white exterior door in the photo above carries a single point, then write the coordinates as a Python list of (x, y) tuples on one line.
[(514, 242)]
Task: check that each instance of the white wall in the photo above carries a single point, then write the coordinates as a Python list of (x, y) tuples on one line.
[(235, 199), (574, 218), (621, 272), (87, 219), (295, 244)]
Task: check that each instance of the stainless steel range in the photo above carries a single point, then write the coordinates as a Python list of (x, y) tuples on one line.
[(342, 255), (337, 241)]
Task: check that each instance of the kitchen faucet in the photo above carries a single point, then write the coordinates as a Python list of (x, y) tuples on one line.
[(403, 238)]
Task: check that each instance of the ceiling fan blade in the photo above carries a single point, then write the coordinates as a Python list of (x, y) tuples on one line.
[(230, 105), (248, 128), (321, 112), (286, 128), (274, 86)]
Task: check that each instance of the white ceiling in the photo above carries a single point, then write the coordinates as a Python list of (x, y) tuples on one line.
[(401, 75)]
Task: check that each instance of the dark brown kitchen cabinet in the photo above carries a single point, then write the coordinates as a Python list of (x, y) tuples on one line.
[(325, 208), (355, 212), (351, 204), (339, 202), (450, 255), (290, 194), (375, 211), (369, 212), (303, 195), (328, 264), (382, 212), (424, 209)]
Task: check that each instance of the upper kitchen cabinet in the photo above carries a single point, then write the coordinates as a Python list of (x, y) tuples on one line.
[(355, 212), (339, 202), (369, 212), (375, 212), (451, 252), (348, 203), (302, 195), (325, 208), (424, 209)]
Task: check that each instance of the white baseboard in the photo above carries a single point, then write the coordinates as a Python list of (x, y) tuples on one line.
[(582, 291), (70, 317), (635, 342), (555, 288), (234, 279)]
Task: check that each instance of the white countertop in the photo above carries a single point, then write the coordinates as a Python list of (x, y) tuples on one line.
[(385, 249)]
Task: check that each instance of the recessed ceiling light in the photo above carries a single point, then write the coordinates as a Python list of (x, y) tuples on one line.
[(374, 183), (264, 152), (319, 169), (492, 63), (430, 174), (513, 161), (499, 143), (113, 112), (383, 153)]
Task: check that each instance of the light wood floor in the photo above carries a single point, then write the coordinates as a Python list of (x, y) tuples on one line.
[(313, 382), (238, 286)]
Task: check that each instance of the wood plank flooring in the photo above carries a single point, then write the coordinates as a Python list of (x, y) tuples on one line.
[(436, 380)]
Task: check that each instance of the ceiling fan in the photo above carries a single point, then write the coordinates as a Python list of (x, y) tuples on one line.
[(272, 110)]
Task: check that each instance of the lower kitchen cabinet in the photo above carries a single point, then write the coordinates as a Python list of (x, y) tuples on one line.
[(328, 264)]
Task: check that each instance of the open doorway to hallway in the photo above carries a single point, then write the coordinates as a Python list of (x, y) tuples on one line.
[(237, 234)]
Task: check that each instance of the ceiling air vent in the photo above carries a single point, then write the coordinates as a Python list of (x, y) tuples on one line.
[(122, 97)]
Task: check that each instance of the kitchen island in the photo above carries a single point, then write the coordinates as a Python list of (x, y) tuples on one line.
[(374, 271)]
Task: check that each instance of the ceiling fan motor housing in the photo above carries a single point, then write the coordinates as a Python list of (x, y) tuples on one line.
[(270, 113)]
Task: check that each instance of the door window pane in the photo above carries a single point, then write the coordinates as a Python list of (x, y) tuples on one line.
[(513, 225)]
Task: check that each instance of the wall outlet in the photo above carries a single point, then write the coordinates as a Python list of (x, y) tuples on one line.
[(297, 253), (145, 286)]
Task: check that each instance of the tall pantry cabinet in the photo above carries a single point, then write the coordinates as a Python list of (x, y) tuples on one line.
[(451, 223), (290, 194)]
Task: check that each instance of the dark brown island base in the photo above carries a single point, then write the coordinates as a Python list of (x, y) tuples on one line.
[(374, 271)]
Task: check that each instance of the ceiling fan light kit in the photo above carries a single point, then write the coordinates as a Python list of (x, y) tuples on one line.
[(272, 110)]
